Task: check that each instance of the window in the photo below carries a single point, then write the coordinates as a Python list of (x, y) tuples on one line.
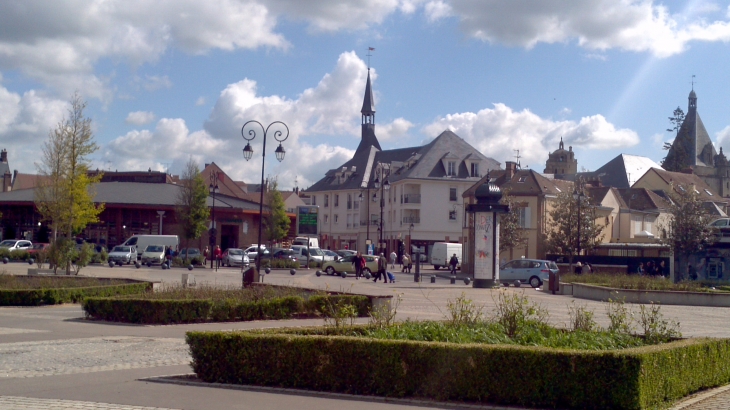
[(326, 201), (636, 222), (522, 179), (349, 220), (474, 169), (349, 201), (622, 252), (451, 170), (452, 215), (708, 192), (452, 194), (314, 199), (326, 218), (337, 200), (336, 218), (525, 221)]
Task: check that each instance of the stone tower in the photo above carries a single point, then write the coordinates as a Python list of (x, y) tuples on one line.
[(561, 162)]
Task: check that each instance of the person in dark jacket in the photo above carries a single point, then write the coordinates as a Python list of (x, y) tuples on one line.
[(382, 265), (358, 262), (453, 262)]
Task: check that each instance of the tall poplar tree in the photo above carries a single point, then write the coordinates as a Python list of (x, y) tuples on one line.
[(277, 222), (192, 208), (65, 194)]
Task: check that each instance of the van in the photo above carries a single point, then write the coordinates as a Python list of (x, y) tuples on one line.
[(315, 254), (442, 252), (302, 240), (140, 242)]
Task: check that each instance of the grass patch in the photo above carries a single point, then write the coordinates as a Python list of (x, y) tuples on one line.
[(12, 282), (636, 282)]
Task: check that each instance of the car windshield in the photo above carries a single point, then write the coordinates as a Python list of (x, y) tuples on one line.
[(7, 244), (235, 252), (154, 248), (121, 249), (315, 252)]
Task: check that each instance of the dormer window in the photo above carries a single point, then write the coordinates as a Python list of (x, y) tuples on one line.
[(451, 168), (522, 179), (474, 171)]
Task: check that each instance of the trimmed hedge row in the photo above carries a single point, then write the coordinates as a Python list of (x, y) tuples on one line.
[(36, 297), (167, 311), (639, 378)]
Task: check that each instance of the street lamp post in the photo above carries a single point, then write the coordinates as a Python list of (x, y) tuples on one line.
[(384, 186), (410, 246), (213, 189), (280, 136), (578, 195)]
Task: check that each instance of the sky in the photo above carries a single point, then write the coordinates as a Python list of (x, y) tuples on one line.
[(170, 80)]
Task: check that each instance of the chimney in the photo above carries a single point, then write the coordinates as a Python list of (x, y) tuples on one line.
[(4, 156), (7, 180), (511, 168), (570, 148)]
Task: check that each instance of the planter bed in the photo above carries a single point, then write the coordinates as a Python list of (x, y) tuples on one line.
[(321, 359), (44, 290), (262, 302), (664, 297)]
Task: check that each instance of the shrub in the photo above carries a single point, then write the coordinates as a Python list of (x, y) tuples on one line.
[(620, 316), (581, 318), (50, 296), (19, 255), (639, 378), (463, 311), (279, 264), (656, 328), (147, 311), (83, 256), (515, 311)]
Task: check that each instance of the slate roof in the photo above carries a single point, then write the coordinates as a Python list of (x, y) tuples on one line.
[(642, 199), (677, 179), (524, 182), (135, 193), (425, 164), (620, 172), (694, 138), (368, 103)]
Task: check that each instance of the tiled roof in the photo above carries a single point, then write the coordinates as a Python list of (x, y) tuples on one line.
[(524, 182), (620, 172), (642, 199), (26, 181)]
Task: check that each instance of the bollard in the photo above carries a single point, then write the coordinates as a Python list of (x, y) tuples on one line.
[(190, 267), (292, 271), (30, 261), (433, 278), (268, 270), (417, 274), (111, 264), (344, 275), (467, 281), (318, 273), (453, 280)]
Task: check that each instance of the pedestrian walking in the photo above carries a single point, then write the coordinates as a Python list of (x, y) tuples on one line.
[(393, 257), (168, 256), (382, 265), (406, 263), (640, 269), (218, 256), (206, 253), (358, 262), (453, 262)]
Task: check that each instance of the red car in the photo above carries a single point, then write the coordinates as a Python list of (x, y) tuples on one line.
[(37, 247)]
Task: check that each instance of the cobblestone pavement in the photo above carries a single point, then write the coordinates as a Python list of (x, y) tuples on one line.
[(26, 403), (55, 357)]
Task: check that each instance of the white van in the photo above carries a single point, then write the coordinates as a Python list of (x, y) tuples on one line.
[(315, 254), (142, 241), (302, 240), (442, 252)]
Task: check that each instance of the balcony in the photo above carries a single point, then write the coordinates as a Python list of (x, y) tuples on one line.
[(410, 199), (411, 220)]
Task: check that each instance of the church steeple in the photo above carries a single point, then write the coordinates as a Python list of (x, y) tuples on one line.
[(368, 105), (561, 143), (692, 101)]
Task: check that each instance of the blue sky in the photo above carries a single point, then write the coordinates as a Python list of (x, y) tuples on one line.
[(169, 80)]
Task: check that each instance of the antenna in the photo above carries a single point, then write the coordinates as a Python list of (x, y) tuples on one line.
[(373, 49), (517, 157)]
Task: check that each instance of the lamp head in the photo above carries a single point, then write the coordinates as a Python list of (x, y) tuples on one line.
[(377, 183), (247, 152), (386, 185), (280, 152)]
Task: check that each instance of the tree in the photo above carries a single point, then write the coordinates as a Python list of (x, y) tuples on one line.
[(191, 202), (511, 233), (688, 230), (677, 158), (65, 194), (563, 237), (277, 222)]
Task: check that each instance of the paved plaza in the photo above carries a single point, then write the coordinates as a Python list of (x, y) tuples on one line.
[(52, 358)]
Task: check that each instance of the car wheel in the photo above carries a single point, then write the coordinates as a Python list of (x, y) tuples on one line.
[(330, 270), (535, 282), (436, 267)]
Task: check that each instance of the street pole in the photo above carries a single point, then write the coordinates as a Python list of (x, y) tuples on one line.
[(213, 188), (279, 136)]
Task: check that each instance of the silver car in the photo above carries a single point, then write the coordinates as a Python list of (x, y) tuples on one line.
[(235, 257), (123, 254), (531, 271)]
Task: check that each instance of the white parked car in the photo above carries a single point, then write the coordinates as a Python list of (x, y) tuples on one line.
[(123, 254), (235, 257), (16, 244), (252, 251), (153, 254)]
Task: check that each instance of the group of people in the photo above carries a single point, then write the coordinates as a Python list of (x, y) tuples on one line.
[(652, 269), (583, 268), (359, 263)]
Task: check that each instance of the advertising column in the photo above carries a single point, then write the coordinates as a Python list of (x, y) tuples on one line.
[(486, 249)]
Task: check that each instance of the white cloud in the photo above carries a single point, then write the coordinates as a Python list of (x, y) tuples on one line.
[(333, 15), (25, 121), (332, 108), (152, 82), (632, 25), (200, 101), (437, 9), (497, 131), (140, 117)]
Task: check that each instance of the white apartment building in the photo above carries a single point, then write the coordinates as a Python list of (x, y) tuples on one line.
[(414, 194)]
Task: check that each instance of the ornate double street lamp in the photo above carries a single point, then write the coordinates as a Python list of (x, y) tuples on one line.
[(383, 174), (410, 233), (281, 133), (213, 189), (578, 195)]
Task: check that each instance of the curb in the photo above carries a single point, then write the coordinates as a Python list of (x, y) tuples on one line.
[(189, 379), (687, 403)]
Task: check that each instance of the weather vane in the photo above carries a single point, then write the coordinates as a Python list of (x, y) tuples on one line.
[(693, 82), (369, 55)]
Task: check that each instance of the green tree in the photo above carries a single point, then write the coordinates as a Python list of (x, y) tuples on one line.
[(511, 233), (191, 202), (276, 222), (65, 194), (687, 231), (563, 236), (677, 158)]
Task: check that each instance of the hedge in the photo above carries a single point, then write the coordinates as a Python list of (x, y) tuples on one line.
[(51, 296), (639, 378), (165, 311)]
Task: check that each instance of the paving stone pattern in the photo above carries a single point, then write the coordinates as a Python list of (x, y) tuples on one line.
[(72, 356), (26, 403)]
